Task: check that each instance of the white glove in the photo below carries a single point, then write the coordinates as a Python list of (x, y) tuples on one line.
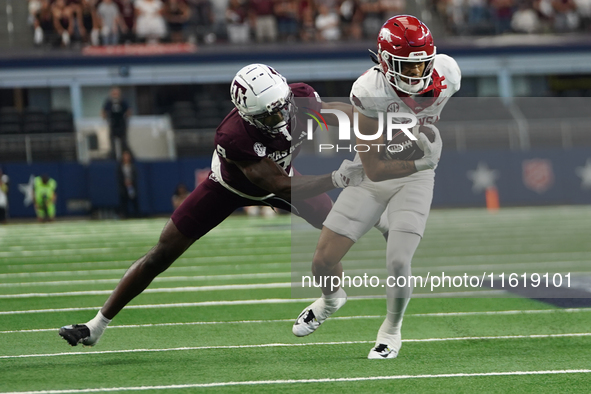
[(348, 174), (432, 151)]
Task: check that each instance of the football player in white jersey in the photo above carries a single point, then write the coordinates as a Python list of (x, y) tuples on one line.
[(410, 77)]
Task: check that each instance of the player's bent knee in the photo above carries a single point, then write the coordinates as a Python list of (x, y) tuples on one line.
[(171, 245), (158, 259), (323, 263)]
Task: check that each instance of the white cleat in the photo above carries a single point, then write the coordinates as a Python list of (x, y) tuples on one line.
[(382, 351), (313, 316)]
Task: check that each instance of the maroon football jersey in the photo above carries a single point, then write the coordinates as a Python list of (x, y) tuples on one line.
[(237, 140)]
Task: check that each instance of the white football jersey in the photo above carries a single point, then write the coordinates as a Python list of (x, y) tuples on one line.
[(372, 93)]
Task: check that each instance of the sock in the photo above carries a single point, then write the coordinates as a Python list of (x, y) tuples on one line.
[(332, 300), (97, 326), (389, 334), (401, 247)]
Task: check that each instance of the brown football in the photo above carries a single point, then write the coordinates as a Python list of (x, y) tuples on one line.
[(400, 147)]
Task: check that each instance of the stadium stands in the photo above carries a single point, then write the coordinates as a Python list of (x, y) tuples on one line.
[(208, 22), (33, 135)]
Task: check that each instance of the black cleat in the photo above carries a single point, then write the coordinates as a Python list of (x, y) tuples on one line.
[(78, 333)]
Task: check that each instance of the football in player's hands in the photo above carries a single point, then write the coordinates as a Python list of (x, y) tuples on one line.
[(401, 147)]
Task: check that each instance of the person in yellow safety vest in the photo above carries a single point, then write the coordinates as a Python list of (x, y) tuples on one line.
[(45, 197)]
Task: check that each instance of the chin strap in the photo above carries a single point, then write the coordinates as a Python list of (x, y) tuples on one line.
[(285, 133), (436, 86), (373, 56)]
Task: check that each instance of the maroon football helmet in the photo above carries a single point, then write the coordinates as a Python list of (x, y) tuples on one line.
[(404, 38)]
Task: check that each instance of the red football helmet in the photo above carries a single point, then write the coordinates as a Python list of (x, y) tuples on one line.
[(404, 38)]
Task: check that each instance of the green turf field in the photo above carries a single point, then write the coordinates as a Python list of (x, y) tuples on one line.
[(219, 320)]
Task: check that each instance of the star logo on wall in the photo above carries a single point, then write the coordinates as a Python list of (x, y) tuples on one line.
[(27, 190), (482, 177), (585, 174)]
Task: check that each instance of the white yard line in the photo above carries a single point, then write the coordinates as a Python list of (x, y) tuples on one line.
[(251, 302), (119, 271), (170, 305), (158, 279), (362, 317), (191, 289), (302, 381), (273, 345)]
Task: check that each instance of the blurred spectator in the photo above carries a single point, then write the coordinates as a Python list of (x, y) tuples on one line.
[(392, 7), (263, 20), (286, 12), (128, 197), (545, 13), (88, 23), (63, 21), (34, 7), (149, 24), (128, 15), (477, 13), (351, 19), (456, 16), (3, 196), (117, 112), (237, 22), (180, 194), (565, 15), (110, 21), (502, 13), (308, 25), (327, 24), (525, 20), (176, 14), (44, 27), (584, 11), (373, 18), (44, 191), (202, 21)]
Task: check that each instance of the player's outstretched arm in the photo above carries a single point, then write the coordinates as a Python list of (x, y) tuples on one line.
[(269, 176), (331, 119), (376, 166)]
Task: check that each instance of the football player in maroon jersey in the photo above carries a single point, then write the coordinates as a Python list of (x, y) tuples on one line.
[(251, 165)]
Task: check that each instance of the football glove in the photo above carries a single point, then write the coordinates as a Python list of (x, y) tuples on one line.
[(432, 151), (348, 174)]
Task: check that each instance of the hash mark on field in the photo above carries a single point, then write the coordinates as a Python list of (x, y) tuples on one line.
[(272, 345), (299, 381)]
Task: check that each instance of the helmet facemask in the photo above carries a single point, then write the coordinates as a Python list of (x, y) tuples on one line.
[(276, 118), (392, 66)]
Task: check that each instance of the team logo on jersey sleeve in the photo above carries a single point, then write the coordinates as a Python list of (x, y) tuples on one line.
[(260, 149)]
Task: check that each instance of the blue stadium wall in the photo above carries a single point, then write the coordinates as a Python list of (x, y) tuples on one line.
[(556, 177)]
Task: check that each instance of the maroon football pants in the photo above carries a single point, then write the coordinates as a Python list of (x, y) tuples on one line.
[(211, 203)]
